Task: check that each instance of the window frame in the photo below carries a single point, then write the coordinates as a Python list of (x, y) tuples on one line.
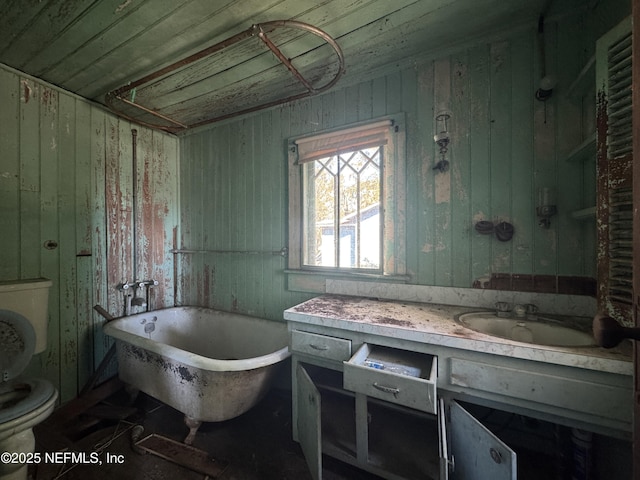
[(393, 195)]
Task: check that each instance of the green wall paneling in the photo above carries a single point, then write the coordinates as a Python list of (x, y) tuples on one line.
[(66, 177), (66, 190), (504, 145), (461, 224), (522, 138), (479, 119)]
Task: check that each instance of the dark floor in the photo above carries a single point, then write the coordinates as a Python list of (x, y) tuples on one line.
[(255, 446)]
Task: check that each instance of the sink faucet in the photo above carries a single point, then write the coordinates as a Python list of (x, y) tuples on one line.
[(532, 311), (520, 311), (502, 309), (528, 310)]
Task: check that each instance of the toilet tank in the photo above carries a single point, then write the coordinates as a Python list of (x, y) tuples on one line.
[(29, 298)]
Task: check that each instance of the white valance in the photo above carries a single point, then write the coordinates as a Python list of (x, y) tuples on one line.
[(349, 139)]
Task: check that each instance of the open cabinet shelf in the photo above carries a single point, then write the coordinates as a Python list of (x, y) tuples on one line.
[(585, 79), (336, 415), (584, 214), (400, 443), (584, 151), (388, 440)]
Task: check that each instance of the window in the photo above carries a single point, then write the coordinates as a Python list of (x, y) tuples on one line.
[(345, 204), (341, 214)]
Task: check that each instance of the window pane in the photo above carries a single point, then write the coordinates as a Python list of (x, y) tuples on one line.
[(342, 213), (320, 187), (370, 225)]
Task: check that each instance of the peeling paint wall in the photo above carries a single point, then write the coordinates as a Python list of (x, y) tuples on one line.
[(505, 145), (66, 214)]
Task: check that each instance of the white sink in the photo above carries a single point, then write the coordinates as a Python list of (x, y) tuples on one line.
[(539, 332)]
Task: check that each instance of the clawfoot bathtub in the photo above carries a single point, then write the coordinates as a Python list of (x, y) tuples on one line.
[(209, 365)]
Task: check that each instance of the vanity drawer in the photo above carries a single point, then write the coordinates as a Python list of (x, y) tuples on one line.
[(325, 346), (398, 376), (584, 395)]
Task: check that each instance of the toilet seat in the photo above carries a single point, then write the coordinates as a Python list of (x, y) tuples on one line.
[(17, 344), (23, 396)]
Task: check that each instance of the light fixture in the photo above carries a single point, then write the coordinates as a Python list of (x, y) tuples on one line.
[(545, 90), (548, 81), (546, 206), (442, 140)]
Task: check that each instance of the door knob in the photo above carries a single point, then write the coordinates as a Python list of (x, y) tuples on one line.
[(609, 333)]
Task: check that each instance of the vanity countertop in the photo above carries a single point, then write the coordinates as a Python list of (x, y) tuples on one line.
[(434, 324)]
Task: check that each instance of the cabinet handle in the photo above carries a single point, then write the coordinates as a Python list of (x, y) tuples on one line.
[(318, 347), (385, 389)]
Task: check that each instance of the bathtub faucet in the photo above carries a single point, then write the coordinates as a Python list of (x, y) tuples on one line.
[(149, 284), (131, 297), (127, 290)]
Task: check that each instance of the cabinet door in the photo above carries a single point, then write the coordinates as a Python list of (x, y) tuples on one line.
[(309, 422), (443, 442), (477, 453)]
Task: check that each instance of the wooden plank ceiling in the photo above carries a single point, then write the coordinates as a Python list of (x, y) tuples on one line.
[(92, 47)]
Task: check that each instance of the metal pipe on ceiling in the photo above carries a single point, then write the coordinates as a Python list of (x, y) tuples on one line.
[(260, 30)]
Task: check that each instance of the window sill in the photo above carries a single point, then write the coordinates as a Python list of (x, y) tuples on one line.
[(313, 281)]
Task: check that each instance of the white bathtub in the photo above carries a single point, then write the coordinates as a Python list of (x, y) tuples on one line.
[(210, 365)]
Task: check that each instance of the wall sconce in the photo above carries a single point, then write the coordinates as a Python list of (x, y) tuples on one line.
[(547, 82), (442, 140), (545, 90), (546, 207)]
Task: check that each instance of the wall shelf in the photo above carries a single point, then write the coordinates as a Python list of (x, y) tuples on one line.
[(583, 151), (584, 214), (585, 79)]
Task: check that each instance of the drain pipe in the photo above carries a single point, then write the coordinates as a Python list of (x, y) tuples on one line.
[(130, 290), (137, 300)]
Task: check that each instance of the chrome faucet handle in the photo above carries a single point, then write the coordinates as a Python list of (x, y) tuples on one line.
[(520, 310), (502, 309), (124, 286), (503, 306)]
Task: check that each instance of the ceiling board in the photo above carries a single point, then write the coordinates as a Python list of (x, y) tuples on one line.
[(91, 47)]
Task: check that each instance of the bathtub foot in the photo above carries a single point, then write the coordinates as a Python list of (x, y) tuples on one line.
[(193, 425), (132, 392)]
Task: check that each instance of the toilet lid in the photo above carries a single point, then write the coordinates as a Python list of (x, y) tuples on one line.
[(17, 344)]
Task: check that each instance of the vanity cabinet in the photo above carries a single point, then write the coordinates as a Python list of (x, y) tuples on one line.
[(378, 410), (383, 385)]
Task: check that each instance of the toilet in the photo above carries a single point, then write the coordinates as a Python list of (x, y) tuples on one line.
[(24, 402)]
